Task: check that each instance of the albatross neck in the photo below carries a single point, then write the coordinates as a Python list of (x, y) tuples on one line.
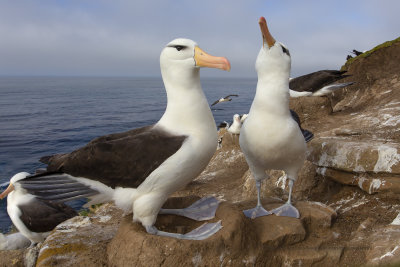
[(272, 94), (187, 108)]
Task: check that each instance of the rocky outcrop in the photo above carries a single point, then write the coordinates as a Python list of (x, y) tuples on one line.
[(347, 194), (357, 132)]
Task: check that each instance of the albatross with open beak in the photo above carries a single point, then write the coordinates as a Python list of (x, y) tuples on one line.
[(141, 168), (270, 138)]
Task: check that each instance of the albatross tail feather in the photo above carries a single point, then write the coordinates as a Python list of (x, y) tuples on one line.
[(331, 88)]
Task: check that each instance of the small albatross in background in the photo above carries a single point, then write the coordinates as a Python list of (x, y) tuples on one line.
[(270, 138), (141, 168)]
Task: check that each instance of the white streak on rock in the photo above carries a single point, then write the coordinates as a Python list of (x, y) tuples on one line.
[(72, 224), (387, 157), (375, 184), (321, 171), (396, 220), (390, 253)]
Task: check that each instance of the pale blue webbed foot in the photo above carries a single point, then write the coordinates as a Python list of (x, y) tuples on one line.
[(203, 232), (201, 210), (258, 211), (287, 210)]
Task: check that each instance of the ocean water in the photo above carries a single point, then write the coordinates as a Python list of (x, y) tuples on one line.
[(41, 116)]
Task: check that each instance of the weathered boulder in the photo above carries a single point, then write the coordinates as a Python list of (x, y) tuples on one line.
[(81, 240), (357, 141), (103, 239)]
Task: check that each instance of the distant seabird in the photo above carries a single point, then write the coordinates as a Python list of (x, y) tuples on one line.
[(270, 138), (141, 168), (34, 218), (317, 83), (236, 125), (239, 120), (356, 52), (224, 99)]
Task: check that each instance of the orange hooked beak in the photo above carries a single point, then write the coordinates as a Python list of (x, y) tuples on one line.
[(203, 59), (267, 37), (9, 189)]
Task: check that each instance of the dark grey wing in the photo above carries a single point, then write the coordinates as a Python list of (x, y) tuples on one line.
[(56, 187), (306, 133), (316, 80), (295, 116), (124, 159), (230, 95), (308, 136), (215, 102), (42, 216)]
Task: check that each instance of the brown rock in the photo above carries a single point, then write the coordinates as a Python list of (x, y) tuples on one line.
[(132, 246), (241, 241), (12, 258), (79, 241), (358, 157), (316, 215)]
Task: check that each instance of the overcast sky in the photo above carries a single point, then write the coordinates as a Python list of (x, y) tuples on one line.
[(125, 37)]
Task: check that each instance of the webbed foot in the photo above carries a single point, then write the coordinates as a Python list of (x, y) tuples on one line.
[(258, 211), (203, 232), (201, 210), (287, 210)]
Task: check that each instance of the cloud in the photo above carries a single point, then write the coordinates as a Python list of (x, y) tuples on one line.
[(125, 38)]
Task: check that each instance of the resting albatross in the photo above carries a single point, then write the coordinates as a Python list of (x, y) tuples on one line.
[(141, 168), (270, 138), (33, 217), (317, 83)]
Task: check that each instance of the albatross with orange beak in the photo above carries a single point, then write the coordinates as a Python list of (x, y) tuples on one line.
[(141, 168), (270, 138)]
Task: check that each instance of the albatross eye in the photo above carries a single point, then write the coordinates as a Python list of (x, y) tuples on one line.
[(179, 47)]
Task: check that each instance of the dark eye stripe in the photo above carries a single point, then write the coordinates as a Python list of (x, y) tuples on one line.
[(178, 47), (286, 51)]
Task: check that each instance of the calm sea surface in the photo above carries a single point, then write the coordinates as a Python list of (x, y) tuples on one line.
[(42, 116)]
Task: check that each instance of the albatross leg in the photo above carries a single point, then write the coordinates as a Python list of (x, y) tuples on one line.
[(204, 231), (287, 209), (259, 210), (201, 210)]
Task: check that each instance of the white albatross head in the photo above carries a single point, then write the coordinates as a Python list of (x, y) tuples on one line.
[(19, 176), (273, 58), (182, 57), (236, 118)]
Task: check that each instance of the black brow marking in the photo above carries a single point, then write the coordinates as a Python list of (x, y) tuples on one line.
[(285, 50), (178, 47)]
